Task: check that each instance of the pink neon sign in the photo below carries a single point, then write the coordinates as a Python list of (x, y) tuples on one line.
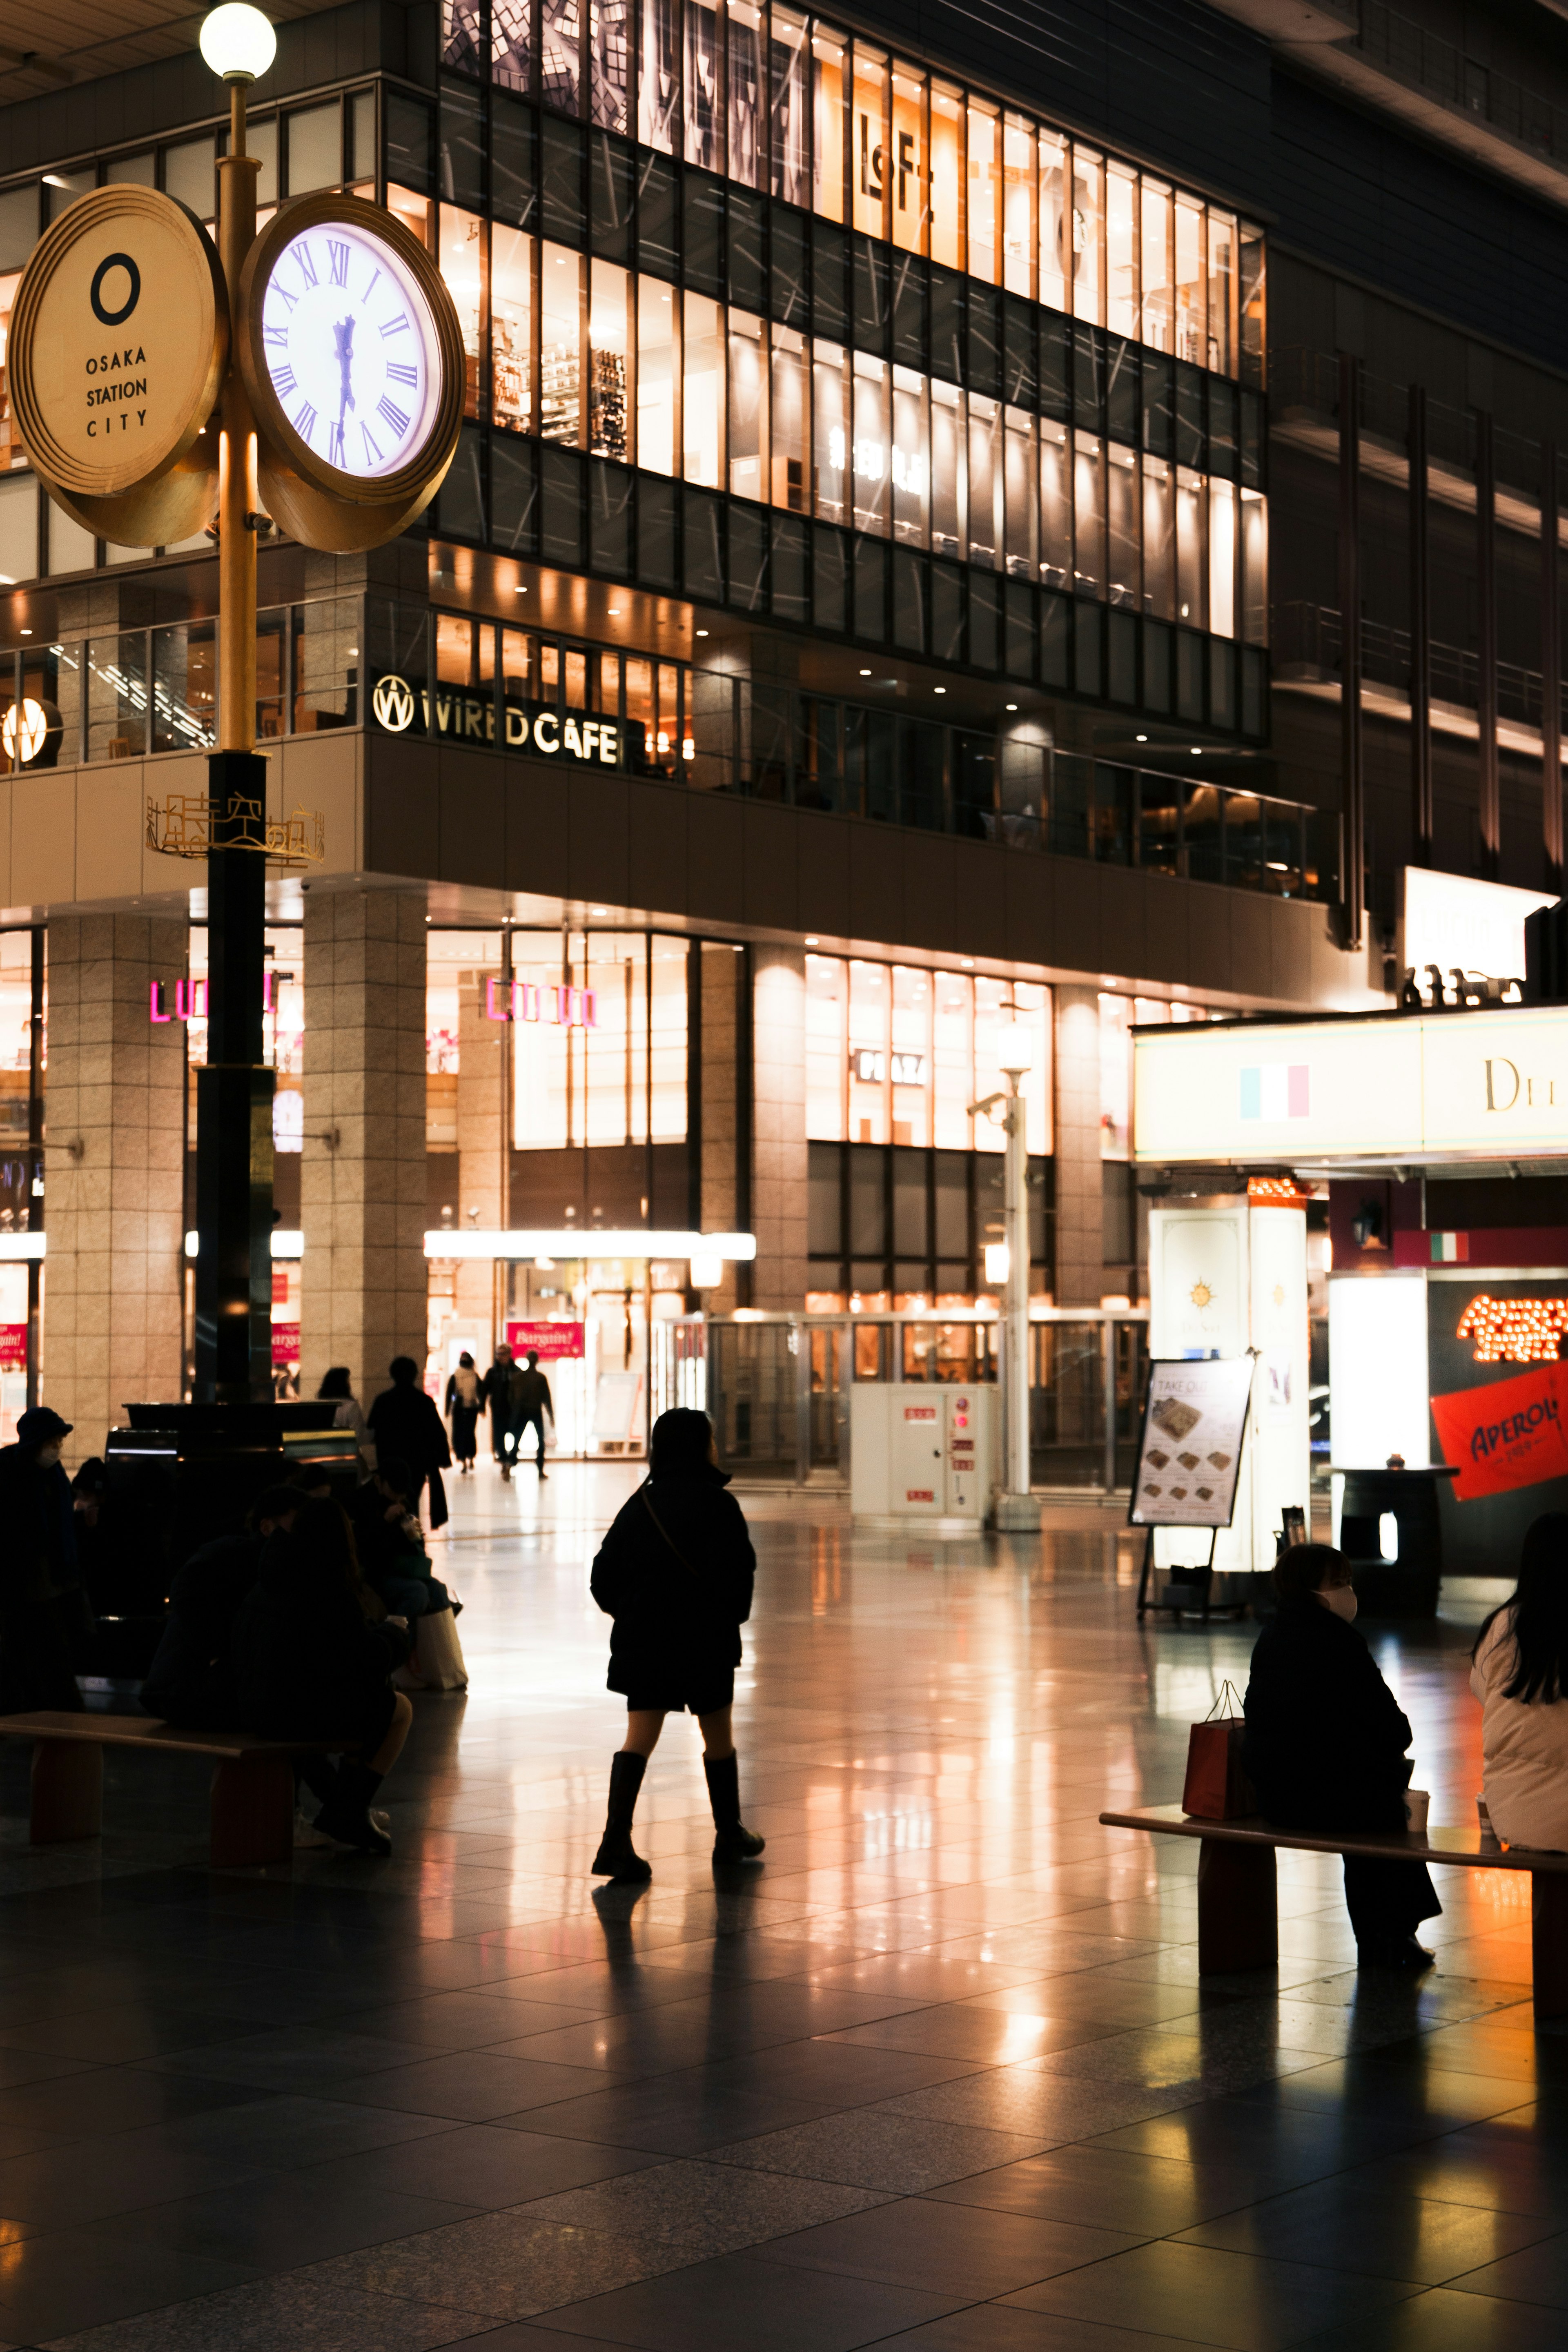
[(191, 1000), (560, 1008)]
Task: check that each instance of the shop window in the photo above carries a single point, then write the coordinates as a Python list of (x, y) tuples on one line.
[(1222, 558), (748, 128), (12, 453), (1122, 519), (910, 460), (909, 1071), (658, 372), (1121, 250), (1158, 309), (315, 140), (511, 43), (560, 55), (789, 420), (869, 393), (1222, 287), (946, 175), (829, 454), (1254, 568), (868, 140), (907, 160), (415, 212), (462, 264), (703, 391), (1189, 546), (827, 63), (1056, 218), (1115, 1078), (789, 107), (1087, 234), (985, 470), (608, 423), (980, 191), (1021, 493), (1191, 337), (947, 468), (610, 62), (748, 405), (1018, 243), (511, 333), (560, 357)]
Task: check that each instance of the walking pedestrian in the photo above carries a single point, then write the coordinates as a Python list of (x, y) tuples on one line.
[(532, 1392), (676, 1571), (465, 1402), (40, 1591), (337, 1390), (501, 1401), (404, 1422)]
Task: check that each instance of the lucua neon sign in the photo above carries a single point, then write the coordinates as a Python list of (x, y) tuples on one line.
[(192, 999), (558, 1008)]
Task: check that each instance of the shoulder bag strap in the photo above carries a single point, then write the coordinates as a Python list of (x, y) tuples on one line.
[(659, 1523)]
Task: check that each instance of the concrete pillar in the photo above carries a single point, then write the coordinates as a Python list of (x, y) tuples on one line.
[(362, 1183), (113, 1159), (779, 1159), (1079, 1180), (481, 1108), (721, 1210)]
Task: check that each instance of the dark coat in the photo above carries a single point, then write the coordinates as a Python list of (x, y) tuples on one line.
[(407, 1428), (676, 1625), (502, 1394), (190, 1682), (1325, 1736), (307, 1658), (531, 1391), (37, 1545)]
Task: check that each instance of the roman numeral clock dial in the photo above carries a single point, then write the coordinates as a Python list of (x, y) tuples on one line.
[(353, 356)]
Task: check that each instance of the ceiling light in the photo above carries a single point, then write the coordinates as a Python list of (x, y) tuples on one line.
[(1012, 706), (614, 612), (1140, 739), (1197, 751), (940, 689), (599, 910), (27, 632), (812, 941), (865, 673), (522, 592), (969, 963), (702, 632)]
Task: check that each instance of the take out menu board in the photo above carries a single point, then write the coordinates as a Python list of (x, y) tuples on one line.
[(1189, 1455)]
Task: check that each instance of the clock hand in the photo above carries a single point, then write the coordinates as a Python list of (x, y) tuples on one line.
[(343, 336)]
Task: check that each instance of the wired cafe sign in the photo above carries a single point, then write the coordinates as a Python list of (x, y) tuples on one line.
[(538, 730)]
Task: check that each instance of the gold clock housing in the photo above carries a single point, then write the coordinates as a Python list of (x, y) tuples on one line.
[(320, 504), (118, 342)]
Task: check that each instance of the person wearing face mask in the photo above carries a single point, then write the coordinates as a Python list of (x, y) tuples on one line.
[(40, 1595), (1325, 1748)]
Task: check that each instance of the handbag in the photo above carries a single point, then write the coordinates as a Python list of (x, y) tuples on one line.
[(438, 1659), (1216, 1789), (669, 1539)]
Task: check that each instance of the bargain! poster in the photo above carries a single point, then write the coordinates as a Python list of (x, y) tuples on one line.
[(1508, 1433)]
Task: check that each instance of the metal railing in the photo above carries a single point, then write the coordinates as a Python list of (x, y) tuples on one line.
[(1307, 647), (1509, 107)]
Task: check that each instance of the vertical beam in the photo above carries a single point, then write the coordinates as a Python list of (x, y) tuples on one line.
[(1550, 672), (1491, 812), (1421, 821), (35, 1154), (1352, 781)]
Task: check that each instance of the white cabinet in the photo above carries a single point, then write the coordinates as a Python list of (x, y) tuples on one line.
[(921, 1454)]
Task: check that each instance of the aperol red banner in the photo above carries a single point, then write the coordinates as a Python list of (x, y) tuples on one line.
[(1508, 1433)]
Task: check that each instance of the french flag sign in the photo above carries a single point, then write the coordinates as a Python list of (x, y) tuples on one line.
[(1276, 1090)]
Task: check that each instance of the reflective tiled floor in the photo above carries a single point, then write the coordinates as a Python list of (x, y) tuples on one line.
[(940, 2075)]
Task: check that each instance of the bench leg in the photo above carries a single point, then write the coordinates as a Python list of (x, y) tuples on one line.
[(1549, 1941), (1238, 1909), (68, 1792), (252, 1812)]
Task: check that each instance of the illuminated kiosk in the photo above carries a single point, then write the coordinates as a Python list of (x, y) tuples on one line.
[(1441, 1137)]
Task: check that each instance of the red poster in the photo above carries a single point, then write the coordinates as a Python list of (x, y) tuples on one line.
[(1509, 1434), (285, 1347), (13, 1347), (554, 1342)]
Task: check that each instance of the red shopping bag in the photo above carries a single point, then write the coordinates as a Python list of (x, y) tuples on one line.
[(1216, 1789)]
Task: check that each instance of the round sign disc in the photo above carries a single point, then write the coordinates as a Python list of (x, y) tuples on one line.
[(118, 342)]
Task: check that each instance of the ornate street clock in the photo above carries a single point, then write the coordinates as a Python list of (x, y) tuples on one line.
[(119, 338), (351, 357)]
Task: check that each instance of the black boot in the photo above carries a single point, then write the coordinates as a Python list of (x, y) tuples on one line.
[(345, 1816), (617, 1858), (734, 1842)]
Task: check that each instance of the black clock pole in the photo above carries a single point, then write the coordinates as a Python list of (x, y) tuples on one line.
[(234, 1101)]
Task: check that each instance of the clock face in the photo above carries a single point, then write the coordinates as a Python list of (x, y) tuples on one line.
[(351, 348)]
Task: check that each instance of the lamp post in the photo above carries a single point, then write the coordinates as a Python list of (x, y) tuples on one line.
[(1017, 1510), (233, 1091)]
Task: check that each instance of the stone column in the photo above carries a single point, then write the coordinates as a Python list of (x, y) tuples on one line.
[(1080, 1182), (363, 1183), (720, 974), (113, 1158), (779, 1161), (482, 1109)]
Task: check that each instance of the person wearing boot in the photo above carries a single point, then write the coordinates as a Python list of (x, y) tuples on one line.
[(675, 1573), (314, 1653)]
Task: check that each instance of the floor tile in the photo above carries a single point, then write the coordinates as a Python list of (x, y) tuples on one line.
[(292, 2314), (745, 2299), (974, 2251), (1199, 2294), (1113, 2188), (507, 2265)]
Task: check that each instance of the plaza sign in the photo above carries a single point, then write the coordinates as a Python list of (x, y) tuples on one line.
[(1453, 1085), (539, 730)]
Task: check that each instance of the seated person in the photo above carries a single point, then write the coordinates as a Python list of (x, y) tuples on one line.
[(391, 1544), (191, 1683), (1325, 1748), (1518, 1676), (313, 1654)]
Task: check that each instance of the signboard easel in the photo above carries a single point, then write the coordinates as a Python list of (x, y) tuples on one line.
[(1189, 1454)]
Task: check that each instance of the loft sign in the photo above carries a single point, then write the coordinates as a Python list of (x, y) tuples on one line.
[(539, 729)]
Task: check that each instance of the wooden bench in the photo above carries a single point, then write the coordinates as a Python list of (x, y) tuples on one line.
[(251, 1808), (1238, 1912)]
